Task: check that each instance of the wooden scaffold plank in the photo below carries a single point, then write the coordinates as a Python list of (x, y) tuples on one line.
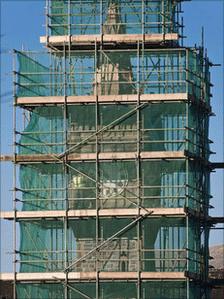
[(50, 158), (85, 276), (57, 100), (107, 38), (127, 212)]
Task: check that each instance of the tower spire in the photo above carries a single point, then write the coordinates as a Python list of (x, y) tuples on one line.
[(113, 24)]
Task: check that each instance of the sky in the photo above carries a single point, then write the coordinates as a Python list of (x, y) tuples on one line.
[(22, 22)]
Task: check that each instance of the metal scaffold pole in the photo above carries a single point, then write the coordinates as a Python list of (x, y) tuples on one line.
[(14, 179)]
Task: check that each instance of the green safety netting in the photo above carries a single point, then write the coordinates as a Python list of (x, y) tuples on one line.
[(167, 184), (113, 73), (162, 127), (117, 16), (32, 75), (166, 245), (112, 290)]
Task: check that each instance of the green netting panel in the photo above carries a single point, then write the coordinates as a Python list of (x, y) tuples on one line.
[(43, 74), (40, 291), (197, 291), (44, 133), (46, 187), (206, 141), (199, 74), (112, 290), (207, 188), (196, 252), (33, 75), (163, 72), (167, 184), (164, 290), (118, 16), (122, 137), (42, 187), (163, 245), (198, 249), (195, 73), (198, 192), (171, 290), (42, 246), (82, 186), (197, 132), (114, 72), (59, 17), (118, 185), (207, 78), (121, 253), (163, 127), (80, 290), (82, 127), (163, 184), (205, 252), (55, 290), (112, 256)]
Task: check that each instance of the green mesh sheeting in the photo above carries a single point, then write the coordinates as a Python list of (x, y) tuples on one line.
[(44, 133), (32, 75), (113, 73), (111, 290), (163, 127), (40, 291), (165, 184), (169, 289), (58, 18), (42, 246), (199, 73), (118, 16), (164, 246)]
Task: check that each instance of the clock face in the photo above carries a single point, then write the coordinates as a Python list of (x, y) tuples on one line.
[(112, 188), (113, 182), (116, 188)]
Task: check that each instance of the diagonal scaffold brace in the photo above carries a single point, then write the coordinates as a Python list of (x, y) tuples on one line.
[(120, 232)]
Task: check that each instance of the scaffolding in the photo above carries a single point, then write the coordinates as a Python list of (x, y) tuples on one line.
[(112, 195), (94, 17)]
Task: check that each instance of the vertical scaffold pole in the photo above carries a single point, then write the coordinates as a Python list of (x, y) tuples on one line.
[(143, 20), (182, 32), (47, 18), (65, 168), (101, 20), (97, 169), (186, 67), (163, 19), (187, 246), (69, 20), (187, 166), (14, 175), (138, 172)]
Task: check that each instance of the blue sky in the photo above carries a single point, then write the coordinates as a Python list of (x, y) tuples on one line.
[(210, 15), (22, 22)]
